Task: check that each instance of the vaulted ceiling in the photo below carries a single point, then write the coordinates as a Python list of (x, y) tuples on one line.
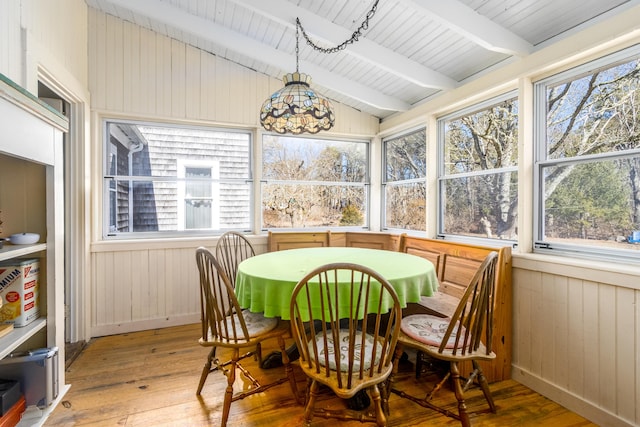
[(411, 51)]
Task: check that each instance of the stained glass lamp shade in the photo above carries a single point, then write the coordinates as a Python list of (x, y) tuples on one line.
[(296, 108)]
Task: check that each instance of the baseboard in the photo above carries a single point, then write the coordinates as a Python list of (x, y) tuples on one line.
[(143, 325), (569, 400)]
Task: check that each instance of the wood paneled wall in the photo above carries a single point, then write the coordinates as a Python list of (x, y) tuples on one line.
[(143, 288), (577, 338), (136, 71), (55, 38)]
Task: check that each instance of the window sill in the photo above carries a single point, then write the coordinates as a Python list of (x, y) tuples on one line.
[(618, 274)]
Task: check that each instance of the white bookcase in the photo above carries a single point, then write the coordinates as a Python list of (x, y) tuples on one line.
[(32, 200)]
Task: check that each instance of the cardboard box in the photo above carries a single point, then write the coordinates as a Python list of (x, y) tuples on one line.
[(19, 289)]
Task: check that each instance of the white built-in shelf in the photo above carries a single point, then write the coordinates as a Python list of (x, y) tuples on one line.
[(13, 339), (10, 251), (35, 417)]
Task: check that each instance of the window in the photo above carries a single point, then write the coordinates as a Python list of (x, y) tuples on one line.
[(405, 181), (310, 182), (478, 179), (588, 158), (165, 179)]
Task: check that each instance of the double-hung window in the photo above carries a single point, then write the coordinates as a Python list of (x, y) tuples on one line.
[(314, 183), (478, 173), (165, 179), (587, 169), (405, 181)]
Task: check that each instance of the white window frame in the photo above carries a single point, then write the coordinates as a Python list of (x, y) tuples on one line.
[(180, 231), (540, 162), (442, 177), (386, 183)]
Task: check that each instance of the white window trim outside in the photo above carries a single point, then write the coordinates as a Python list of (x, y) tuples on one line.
[(113, 157), (214, 165)]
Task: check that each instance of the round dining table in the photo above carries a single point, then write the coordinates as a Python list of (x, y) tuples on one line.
[(265, 282)]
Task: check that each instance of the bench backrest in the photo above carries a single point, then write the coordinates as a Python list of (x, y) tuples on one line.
[(456, 263), (368, 239), (278, 241)]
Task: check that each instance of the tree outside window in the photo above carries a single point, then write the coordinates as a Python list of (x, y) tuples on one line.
[(478, 178), (405, 181), (588, 162), (313, 183)]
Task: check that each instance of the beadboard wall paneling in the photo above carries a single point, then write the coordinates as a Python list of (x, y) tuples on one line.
[(140, 289), (54, 37), (10, 42), (135, 71), (578, 341)]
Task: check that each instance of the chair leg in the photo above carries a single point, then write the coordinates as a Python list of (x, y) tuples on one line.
[(206, 370), (288, 369), (258, 355), (228, 393), (311, 403), (381, 418), (436, 388), (484, 385), (457, 387), (394, 371)]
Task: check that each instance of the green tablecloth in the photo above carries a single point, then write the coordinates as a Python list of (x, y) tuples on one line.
[(265, 282)]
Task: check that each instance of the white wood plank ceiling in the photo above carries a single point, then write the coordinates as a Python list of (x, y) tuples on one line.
[(411, 51)]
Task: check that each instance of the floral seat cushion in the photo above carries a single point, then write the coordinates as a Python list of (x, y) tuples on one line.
[(428, 329), (256, 323), (343, 349)]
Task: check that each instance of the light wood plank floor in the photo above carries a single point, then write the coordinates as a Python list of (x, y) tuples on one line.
[(149, 379)]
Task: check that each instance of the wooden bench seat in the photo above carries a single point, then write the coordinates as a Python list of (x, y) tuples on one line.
[(456, 263)]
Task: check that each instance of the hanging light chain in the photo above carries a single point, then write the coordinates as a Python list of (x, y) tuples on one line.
[(354, 37), (297, 48)]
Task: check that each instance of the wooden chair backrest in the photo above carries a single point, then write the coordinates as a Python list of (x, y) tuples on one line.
[(221, 315), (278, 241), (314, 328), (472, 322), (233, 248)]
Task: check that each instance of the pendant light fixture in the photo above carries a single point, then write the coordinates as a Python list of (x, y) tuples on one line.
[(297, 108)]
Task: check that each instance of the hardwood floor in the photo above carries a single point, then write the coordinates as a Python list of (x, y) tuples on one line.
[(149, 379)]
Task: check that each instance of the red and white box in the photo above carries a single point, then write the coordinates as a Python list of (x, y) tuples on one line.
[(19, 289)]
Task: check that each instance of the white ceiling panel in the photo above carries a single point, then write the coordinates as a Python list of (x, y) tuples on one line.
[(411, 50)]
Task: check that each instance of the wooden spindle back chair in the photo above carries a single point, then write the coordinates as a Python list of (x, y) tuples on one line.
[(233, 248), (226, 326), (345, 320), (465, 336)]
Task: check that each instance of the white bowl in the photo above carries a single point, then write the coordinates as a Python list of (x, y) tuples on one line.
[(24, 238)]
